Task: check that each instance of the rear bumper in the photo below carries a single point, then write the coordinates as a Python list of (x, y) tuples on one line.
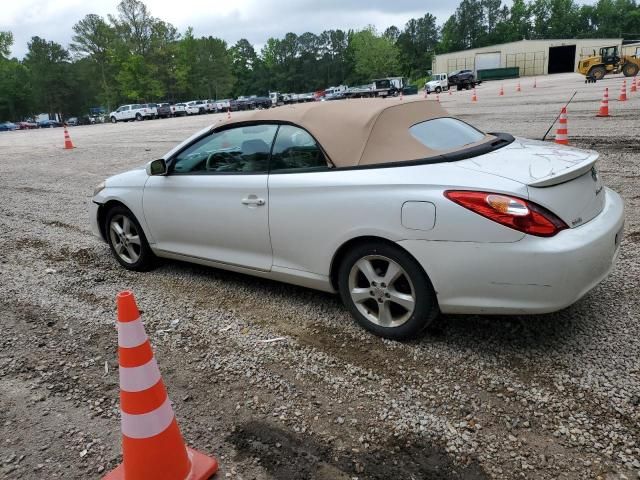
[(533, 275)]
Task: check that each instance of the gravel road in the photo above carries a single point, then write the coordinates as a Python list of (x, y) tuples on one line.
[(540, 397)]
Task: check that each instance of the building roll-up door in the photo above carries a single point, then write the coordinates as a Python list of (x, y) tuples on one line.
[(487, 60)]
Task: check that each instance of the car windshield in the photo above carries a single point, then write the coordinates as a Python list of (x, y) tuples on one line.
[(445, 133)]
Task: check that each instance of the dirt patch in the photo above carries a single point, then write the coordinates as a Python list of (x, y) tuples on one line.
[(633, 237), (287, 456)]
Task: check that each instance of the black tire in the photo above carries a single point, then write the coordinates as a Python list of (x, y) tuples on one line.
[(598, 72), (425, 308), (114, 120), (630, 69), (438, 90), (459, 87), (139, 117), (146, 259)]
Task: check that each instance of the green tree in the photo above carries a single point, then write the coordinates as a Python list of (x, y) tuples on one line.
[(244, 63), (6, 41), (52, 84), (94, 39), (374, 56), (417, 44), (15, 88)]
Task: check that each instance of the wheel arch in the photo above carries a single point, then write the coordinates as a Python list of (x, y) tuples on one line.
[(336, 261), (104, 209)]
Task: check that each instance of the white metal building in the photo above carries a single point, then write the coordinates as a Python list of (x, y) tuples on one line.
[(534, 57)]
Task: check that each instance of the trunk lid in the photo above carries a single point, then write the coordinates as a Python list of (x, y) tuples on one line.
[(564, 180)]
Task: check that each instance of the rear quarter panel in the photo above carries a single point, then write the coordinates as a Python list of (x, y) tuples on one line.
[(312, 214)]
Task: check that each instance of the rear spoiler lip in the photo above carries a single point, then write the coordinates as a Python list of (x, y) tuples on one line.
[(568, 174)]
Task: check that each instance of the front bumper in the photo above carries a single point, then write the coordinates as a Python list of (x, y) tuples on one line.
[(94, 220), (533, 275)]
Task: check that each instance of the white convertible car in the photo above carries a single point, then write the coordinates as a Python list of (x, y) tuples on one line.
[(402, 209)]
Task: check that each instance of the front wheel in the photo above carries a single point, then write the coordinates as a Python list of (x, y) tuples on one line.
[(138, 117), (597, 72), (438, 90), (387, 291), (127, 240), (113, 120)]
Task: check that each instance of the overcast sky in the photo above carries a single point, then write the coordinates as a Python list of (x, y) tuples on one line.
[(230, 20)]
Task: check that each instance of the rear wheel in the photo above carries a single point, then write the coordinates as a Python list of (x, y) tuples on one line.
[(387, 291), (597, 72), (127, 240), (630, 69)]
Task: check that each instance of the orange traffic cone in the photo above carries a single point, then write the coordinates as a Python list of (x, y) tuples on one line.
[(623, 92), (604, 104), (634, 88), (518, 89), (152, 445), (437, 98), (425, 93), (68, 144), (228, 113), (501, 91), (474, 97), (562, 132), (535, 82), (450, 92)]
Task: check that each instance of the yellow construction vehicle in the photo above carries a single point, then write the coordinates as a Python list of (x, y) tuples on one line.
[(609, 61)]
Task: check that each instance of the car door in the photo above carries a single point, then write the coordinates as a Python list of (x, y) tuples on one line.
[(213, 204), (301, 193)]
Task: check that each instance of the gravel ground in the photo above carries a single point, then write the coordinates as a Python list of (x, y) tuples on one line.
[(549, 396)]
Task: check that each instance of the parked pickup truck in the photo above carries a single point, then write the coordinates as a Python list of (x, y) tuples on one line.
[(126, 113), (438, 83), (463, 79), (199, 104), (178, 109), (163, 110)]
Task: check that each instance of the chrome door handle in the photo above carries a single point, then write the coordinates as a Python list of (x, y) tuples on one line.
[(252, 200)]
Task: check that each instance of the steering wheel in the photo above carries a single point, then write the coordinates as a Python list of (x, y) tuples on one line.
[(216, 158)]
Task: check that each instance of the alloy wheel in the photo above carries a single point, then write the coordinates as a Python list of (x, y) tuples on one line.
[(382, 291), (125, 239)]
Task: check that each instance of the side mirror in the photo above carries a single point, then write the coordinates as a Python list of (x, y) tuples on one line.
[(157, 167)]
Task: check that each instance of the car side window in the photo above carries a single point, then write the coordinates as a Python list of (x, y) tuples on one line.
[(295, 149), (232, 151)]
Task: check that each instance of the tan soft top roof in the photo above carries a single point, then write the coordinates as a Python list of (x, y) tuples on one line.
[(360, 131)]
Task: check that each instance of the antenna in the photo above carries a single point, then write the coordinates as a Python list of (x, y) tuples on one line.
[(556, 119)]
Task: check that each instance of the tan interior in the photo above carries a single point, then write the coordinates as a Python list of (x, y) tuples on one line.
[(361, 131)]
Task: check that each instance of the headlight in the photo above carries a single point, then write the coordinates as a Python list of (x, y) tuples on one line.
[(98, 188)]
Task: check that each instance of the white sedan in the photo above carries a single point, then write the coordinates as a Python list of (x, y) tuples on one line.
[(403, 210)]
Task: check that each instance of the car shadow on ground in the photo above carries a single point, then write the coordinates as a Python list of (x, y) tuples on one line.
[(519, 334), (286, 455)]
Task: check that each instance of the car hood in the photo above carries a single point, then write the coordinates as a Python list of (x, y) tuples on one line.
[(433, 82), (133, 178)]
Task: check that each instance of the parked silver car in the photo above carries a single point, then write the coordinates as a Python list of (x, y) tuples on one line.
[(402, 209)]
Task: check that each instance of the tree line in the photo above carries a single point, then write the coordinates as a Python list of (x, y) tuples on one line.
[(132, 56)]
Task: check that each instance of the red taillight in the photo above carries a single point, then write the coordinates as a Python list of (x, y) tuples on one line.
[(509, 211)]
